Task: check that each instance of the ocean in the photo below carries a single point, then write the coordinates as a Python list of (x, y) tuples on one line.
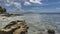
[(36, 21)]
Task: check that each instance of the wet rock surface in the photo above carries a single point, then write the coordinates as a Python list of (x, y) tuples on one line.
[(51, 31), (48, 31), (15, 27)]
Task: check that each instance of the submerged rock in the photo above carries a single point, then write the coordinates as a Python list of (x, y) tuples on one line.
[(15, 27), (41, 31), (50, 31)]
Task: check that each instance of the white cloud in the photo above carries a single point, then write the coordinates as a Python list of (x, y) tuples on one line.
[(58, 8), (13, 3), (7, 4), (7, 0), (27, 3), (17, 4), (36, 1)]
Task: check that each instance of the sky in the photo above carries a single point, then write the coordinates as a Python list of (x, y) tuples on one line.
[(35, 6)]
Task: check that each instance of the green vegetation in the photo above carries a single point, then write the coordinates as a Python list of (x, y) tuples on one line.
[(2, 10)]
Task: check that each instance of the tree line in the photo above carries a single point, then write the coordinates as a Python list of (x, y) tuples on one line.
[(2, 10)]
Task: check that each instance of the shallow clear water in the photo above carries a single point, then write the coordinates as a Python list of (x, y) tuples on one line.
[(36, 21)]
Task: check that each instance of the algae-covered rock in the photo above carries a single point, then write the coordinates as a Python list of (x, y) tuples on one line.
[(15, 27)]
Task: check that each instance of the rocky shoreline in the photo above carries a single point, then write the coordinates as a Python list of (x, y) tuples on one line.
[(15, 27), (10, 15), (6, 29), (21, 27)]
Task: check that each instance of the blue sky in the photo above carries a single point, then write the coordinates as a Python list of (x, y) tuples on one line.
[(36, 6)]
